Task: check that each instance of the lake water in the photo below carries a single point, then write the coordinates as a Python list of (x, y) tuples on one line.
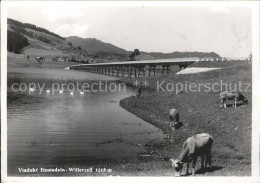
[(56, 130)]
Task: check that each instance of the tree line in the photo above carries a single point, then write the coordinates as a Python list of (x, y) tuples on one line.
[(16, 42), (31, 26)]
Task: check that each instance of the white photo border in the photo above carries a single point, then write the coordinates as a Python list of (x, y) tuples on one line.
[(254, 5)]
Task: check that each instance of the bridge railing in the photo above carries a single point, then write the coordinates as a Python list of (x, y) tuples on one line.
[(145, 62)]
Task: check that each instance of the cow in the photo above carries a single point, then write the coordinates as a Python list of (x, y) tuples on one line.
[(174, 118), (232, 95), (197, 145)]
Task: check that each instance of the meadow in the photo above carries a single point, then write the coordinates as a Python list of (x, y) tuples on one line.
[(200, 112)]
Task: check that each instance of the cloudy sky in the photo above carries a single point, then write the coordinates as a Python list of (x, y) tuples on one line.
[(224, 30)]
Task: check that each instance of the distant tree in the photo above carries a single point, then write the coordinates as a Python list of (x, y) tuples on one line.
[(79, 47), (69, 43), (134, 54), (43, 39), (31, 26), (16, 42), (137, 52), (21, 31)]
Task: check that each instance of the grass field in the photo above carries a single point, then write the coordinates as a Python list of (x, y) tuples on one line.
[(200, 113)]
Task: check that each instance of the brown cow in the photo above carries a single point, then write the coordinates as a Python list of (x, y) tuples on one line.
[(231, 95), (197, 145)]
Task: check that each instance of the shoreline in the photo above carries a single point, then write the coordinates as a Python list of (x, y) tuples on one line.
[(153, 108), (145, 117)]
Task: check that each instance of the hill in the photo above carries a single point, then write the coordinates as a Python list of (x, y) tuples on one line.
[(177, 54), (144, 56), (41, 42), (19, 25), (97, 47)]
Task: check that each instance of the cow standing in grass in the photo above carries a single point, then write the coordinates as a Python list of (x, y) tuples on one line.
[(174, 118), (231, 95), (197, 145)]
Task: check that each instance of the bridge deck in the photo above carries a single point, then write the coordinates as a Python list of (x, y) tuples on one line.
[(146, 62), (132, 67)]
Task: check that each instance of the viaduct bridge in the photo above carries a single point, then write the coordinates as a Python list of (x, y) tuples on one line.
[(136, 68)]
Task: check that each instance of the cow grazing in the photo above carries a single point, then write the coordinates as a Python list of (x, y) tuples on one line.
[(231, 95), (174, 118), (197, 145)]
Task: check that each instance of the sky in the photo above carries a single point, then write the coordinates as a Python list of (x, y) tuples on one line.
[(224, 30)]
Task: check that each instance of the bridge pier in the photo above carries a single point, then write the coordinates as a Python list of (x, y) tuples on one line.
[(150, 67), (112, 70), (131, 71), (108, 70), (115, 69), (122, 70), (141, 68), (135, 71), (167, 68), (128, 70), (118, 68)]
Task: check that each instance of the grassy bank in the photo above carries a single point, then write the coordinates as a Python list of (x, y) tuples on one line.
[(200, 112), (20, 61)]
